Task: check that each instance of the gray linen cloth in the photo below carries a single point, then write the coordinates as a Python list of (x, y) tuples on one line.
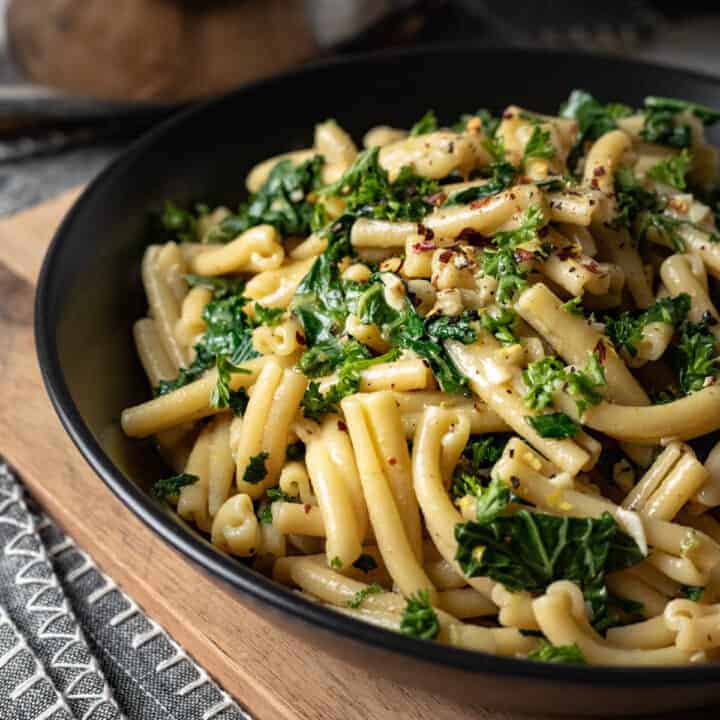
[(73, 645)]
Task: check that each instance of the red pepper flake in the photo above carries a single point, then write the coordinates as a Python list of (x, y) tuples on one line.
[(300, 338), (392, 461), (473, 237), (475, 204), (599, 171), (524, 180), (423, 246), (446, 256), (567, 252), (594, 184), (507, 115), (592, 267), (601, 351), (342, 427), (522, 255), (437, 199), (307, 508), (426, 232)]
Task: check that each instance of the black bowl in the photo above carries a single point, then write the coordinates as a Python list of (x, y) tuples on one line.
[(89, 294)]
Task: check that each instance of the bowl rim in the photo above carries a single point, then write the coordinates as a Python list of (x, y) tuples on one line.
[(242, 578)]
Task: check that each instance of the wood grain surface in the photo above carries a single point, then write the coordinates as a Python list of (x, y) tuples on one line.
[(274, 675)]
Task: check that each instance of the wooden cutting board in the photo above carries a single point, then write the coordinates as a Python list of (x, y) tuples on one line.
[(274, 675)]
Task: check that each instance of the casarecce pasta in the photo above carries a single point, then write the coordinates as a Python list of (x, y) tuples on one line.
[(460, 384)]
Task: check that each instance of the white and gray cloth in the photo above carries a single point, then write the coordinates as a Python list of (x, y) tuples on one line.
[(73, 645)]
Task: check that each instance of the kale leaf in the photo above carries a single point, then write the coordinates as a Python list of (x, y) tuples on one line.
[(506, 262), (673, 170), (626, 329), (543, 377), (553, 425), (282, 201), (530, 550), (181, 225), (593, 118), (228, 336), (367, 191), (221, 287)]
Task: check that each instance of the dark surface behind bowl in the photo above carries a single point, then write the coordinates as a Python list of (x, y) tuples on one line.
[(89, 295)]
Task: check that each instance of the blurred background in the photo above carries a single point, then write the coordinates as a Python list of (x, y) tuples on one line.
[(79, 79)]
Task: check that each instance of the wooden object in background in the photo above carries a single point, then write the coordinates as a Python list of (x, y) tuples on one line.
[(156, 49), (273, 674)]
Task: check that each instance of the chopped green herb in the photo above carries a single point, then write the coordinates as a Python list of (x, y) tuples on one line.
[(558, 654), (489, 125), (256, 471), (553, 425), (486, 451), (406, 329), (632, 198), (542, 378), (464, 484), (573, 306), (500, 177), (500, 324), (672, 170), (274, 495), (170, 487), (419, 620), (692, 592), (478, 456), (492, 501), (426, 124), (357, 600), (539, 145), (295, 451), (336, 563), (666, 227)]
